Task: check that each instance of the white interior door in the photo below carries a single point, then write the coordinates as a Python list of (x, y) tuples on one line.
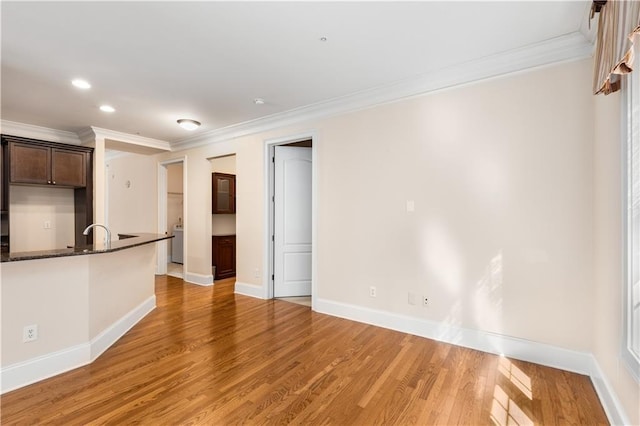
[(292, 222)]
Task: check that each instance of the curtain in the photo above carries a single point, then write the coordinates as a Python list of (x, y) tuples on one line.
[(618, 26)]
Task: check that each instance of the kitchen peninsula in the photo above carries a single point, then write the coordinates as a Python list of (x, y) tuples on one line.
[(81, 300)]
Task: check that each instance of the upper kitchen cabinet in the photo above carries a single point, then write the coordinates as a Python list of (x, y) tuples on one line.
[(224, 193), (41, 163)]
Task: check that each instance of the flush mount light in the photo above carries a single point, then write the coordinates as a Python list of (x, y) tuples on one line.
[(107, 108), (81, 84), (258, 101), (323, 39), (188, 124)]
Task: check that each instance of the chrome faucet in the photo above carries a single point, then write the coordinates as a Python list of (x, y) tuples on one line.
[(107, 237)]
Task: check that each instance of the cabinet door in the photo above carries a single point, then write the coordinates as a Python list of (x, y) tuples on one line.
[(224, 256), (68, 168), (224, 193), (29, 164)]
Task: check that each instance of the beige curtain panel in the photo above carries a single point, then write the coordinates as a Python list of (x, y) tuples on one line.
[(618, 29)]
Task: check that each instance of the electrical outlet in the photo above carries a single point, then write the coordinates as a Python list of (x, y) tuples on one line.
[(30, 333), (372, 291), (425, 301), (256, 273), (46, 224), (412, 298)]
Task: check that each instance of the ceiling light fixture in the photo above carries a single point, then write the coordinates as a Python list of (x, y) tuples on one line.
[(107, 108), (188, 124), (81, 84), (258, 101), (323, 39)]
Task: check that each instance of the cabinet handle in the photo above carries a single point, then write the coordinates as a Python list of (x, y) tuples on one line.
[(54, 182), (49, 182)]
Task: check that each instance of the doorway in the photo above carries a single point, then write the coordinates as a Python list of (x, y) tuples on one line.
[(171, 259), (291, 220)]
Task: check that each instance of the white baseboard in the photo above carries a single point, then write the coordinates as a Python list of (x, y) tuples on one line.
[(511, 347), (111, 334), (24, 373), (199, 279), (610, 402), (33, 370), (249, 290)]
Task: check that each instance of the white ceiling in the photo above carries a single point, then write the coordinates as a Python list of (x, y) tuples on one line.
[(156, 62)]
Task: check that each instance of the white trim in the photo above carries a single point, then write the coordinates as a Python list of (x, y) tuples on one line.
[(161, 247), (511, 347), (199, 279), (115, 331), (250, 290), (269, 172), (608, 398), (156, 145), (33, 370), (630, 140), (573, 46), (37, 132)]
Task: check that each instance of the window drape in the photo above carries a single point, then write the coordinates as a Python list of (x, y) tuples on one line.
[(618, 28)]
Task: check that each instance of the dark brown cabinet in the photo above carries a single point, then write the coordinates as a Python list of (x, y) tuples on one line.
[(223, 256), (44, 165), (35, 162), (223, 193), (4, 202)]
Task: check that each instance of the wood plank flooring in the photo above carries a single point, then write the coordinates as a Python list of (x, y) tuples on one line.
[(207, 356)]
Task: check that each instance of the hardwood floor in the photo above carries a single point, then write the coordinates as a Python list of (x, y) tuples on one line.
[(208, 356)]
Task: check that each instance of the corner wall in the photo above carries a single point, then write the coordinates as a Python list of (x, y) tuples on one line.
[(609, 251), (504, 232)]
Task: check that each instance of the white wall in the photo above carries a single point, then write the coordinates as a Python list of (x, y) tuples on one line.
[(30, 207), (132, 208), (497, 171)]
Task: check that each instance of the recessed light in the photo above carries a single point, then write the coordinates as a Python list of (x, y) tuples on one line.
[(258, 101), (81, 84), (107, 108), (188, 124), (323, 39)]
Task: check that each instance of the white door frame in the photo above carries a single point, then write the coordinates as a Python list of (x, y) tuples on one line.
[(161, 247), (269, 177)]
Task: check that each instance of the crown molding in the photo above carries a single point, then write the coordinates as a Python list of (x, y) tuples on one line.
[(37, 132), (589, 27), (124, 141), (573, 46)]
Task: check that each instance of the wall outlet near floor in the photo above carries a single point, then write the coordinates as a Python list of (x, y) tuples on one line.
[(412, 298), (46, 224), (256, 273), (30, 333), (425, 301), (372, 291)]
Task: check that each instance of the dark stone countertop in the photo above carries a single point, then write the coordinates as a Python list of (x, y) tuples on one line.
[(124, 242)]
